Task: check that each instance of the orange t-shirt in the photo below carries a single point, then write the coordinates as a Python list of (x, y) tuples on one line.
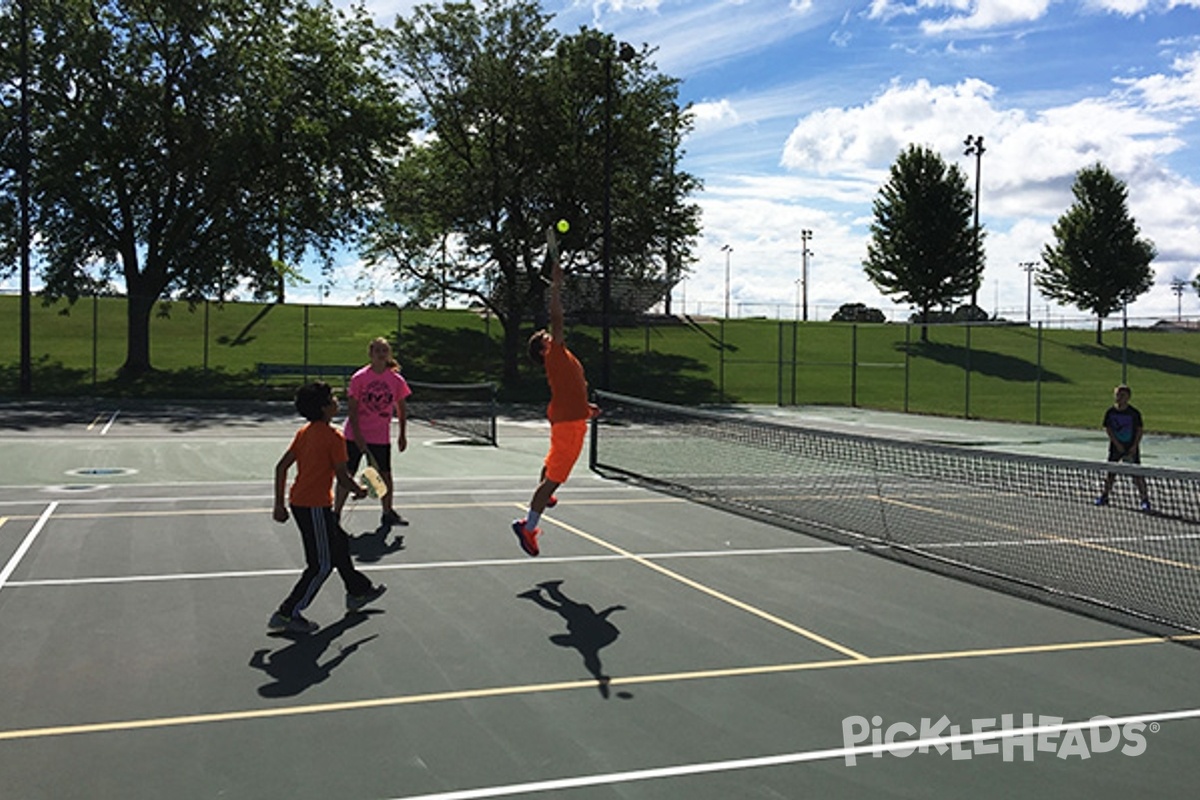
[(318, 448), (568, 385)]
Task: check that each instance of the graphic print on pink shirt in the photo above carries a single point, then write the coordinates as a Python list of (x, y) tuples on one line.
[(376, 394)]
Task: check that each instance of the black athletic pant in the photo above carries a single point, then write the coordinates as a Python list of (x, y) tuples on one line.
[(326, 548)]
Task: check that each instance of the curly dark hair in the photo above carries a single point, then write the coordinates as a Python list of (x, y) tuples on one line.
[(311, 399)]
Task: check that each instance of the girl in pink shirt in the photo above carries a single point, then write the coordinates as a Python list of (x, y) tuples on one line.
[(377, 392)]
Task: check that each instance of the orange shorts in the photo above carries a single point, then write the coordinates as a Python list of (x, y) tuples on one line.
[(566, 443)]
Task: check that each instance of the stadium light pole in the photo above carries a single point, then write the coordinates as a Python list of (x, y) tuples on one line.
[(1177, 286), (974, 147), (805, 236), (625, 52), (727, 250), (1028, 266)]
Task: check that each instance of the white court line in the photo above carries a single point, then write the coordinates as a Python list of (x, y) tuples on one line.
[(25, 545), (522, 488), (904, 746), (430, 565)]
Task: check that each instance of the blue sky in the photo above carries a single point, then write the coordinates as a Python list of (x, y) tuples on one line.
[(803, 105)]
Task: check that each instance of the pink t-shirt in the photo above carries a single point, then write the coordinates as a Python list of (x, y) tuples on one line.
[(377, 394)]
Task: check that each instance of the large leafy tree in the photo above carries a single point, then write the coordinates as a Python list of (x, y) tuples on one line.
[(515, 140), (924, 249), (186, 148), (1098, 261), (10, 136)]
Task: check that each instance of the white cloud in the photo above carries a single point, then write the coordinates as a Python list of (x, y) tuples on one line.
[(1171, 92), (873, 134), (713, 116), (987, 14)]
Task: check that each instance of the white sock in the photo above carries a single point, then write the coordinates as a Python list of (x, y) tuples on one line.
[(531, 520)]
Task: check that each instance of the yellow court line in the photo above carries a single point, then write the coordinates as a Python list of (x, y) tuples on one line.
[(1049, 537), (758, 612), (542, 688), (2, 521)]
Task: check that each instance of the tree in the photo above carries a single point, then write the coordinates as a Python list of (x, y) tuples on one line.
[(10, 141), (514, 141), (190, 147), (923, 247), (1098, 263), (857, 312)]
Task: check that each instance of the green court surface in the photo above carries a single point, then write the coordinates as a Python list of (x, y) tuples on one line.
[(656, 649)]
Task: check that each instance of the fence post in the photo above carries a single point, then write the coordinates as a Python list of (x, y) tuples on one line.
[(854, 365), (795, 355), (779, 366), (206, 336), (967, 398), (1038, 400), (95, 337), (1124, 344), (306, 342), (907, 359), (721, 362)]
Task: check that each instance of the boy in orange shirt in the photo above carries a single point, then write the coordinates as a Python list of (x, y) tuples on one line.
[(319, 452), (569, 411)]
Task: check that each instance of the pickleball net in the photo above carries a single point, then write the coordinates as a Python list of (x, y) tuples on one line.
[(1022, 524), (465, 409)]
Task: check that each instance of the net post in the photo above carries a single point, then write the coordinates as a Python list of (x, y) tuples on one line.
[(594, 444)]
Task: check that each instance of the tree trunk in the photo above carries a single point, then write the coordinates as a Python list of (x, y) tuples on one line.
[(1100, 330), (138, 308), (512, 346)]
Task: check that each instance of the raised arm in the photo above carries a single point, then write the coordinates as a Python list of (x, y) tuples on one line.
[(556, 308)]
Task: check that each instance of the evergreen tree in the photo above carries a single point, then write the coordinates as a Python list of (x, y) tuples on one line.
[(923, 248), (1098, 262)]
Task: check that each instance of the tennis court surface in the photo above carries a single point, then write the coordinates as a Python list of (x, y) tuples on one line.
[(659, 647)]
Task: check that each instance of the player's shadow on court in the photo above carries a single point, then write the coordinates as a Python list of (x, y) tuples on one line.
[(298, 666), (372, 546), (588, 630)]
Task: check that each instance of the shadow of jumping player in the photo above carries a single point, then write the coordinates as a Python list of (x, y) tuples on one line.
[(295, 668), (588, 631), (371, 547)]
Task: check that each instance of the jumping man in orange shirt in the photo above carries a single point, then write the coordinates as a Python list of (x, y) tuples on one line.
[(568, 412)]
